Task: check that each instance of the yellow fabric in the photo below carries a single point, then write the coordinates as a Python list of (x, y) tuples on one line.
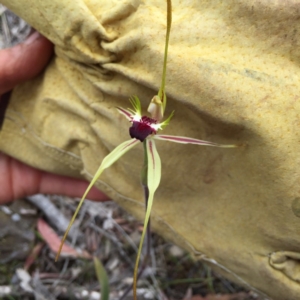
[(233, 77)]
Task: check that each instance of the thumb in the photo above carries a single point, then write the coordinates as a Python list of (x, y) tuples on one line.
[(24, 61)]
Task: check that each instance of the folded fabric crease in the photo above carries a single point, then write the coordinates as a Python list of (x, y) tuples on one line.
[(233, 76)]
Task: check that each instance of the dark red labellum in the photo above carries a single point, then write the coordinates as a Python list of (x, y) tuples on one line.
[(141, 129)]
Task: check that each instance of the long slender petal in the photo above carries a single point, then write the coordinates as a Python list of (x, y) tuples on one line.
[(188, 140), (153, 180), (128, 114), (111, 158)]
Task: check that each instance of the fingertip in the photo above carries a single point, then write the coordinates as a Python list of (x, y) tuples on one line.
[(72, 187), (24, 61)]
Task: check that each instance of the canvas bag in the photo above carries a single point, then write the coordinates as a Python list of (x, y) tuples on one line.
[(232, 77)]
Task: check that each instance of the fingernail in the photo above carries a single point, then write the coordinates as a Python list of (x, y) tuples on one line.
[(32, 37)]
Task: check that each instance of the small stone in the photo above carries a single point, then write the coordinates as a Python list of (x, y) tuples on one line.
[(6, 210), (176, 251), (16, 217), (95, 296)]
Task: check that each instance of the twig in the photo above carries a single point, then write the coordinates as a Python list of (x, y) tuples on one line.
[(74, 238), (114, 240), (54, 215), (6, 30)]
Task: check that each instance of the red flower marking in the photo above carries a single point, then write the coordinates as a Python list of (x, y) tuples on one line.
[(142, 128)]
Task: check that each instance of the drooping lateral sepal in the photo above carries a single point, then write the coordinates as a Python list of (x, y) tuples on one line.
[(153, 180), (154, 169), (111, 158)]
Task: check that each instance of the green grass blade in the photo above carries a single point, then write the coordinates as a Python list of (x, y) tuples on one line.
[(102, 279)]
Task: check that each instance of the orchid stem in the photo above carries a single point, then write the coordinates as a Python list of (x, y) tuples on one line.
[(161, 92), (144, 173), (144, 178), (148, 247)]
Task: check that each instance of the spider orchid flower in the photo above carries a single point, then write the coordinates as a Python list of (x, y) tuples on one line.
[(143, 129)]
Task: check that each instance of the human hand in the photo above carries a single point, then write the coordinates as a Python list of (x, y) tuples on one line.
[(17, 180)]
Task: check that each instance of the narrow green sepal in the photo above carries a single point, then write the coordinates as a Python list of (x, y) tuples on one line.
[(167, 121)]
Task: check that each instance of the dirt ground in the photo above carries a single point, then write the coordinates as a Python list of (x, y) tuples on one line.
[(31, 230), (30, 235)]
